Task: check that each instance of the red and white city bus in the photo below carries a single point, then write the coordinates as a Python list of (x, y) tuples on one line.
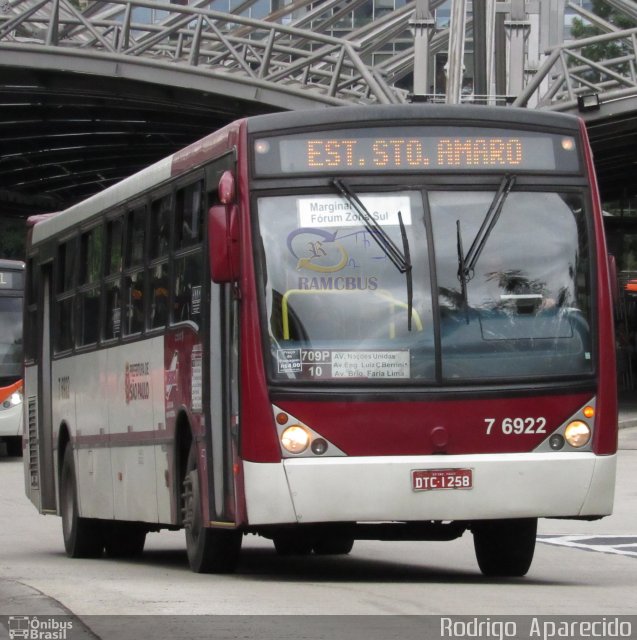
[(11, 297), (352, 323)]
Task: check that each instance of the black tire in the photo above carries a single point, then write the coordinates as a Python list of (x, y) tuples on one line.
[(125, 540), (292, 543), (209, 550), (505, 548), (83, 537), (333, 545)]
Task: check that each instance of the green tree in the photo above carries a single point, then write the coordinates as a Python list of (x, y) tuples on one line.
[(603, 50), (581, 29)]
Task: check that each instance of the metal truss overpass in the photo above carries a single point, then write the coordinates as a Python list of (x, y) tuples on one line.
[(570, 76), (88, 97)]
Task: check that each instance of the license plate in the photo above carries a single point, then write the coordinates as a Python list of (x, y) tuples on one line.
[(431, 479)]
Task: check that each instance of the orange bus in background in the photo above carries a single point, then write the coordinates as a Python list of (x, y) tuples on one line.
[(11, 406)]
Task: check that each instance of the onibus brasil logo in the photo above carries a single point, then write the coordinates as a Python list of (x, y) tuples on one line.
[(38, 628)]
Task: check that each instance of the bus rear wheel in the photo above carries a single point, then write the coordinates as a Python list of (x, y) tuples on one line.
[(82, 536), (505, 548), (209, 550)]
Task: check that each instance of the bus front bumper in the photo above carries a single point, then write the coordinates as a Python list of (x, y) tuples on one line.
[(372, 489)]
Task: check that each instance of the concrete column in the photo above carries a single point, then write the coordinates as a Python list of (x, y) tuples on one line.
[(455, 63), (517, 29), (422, 24)]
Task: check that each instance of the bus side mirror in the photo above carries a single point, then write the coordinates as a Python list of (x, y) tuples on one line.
[(223, 242)]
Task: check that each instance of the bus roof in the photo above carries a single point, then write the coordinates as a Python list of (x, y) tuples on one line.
[(472, 114)]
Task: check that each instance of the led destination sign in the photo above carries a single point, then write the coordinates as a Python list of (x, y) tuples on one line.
[(415, 149)]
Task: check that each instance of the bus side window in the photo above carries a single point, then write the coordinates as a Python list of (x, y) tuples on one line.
[(160, 227), (112, 281), (159, 293), (134, 289), (159, 241), (189, 214), (114, 240), (134, 303), (31, 313), (64, 299), (66, 266), (91, 245), (113, 315), (135, 236), (188, 289)]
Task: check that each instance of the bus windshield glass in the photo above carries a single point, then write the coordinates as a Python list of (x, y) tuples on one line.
[(337, 307), (525, 308), (10, 338)]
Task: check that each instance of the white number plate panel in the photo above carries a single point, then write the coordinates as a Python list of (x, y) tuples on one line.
[(433, 479)]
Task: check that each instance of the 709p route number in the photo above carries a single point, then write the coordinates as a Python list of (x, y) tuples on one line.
[(516, 426)]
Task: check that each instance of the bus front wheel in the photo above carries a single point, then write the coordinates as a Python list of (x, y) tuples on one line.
[(209, 550), (505, 548), (82, 536)]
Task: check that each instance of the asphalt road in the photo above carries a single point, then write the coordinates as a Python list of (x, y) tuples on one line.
[(580, 568)]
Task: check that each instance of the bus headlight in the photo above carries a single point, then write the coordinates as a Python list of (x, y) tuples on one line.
[(577, 433), (295, 439), (13, 400)]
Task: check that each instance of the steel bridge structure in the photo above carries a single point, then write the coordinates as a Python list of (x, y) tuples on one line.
[(87, 96)]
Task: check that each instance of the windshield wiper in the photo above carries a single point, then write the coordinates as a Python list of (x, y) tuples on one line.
[(461, 270), (467, 263), (400, 259), (397, 257)]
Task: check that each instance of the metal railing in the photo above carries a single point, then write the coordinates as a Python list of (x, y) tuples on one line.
[(292, 50), (261, 53), (572, 71)]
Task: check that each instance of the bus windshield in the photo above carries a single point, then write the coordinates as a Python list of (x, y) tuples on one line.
[(525, 310), (10, 339), (338, 308)]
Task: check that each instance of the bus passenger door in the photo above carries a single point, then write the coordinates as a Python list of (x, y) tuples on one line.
[(39, 463), (223, 400), (223, 385)]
